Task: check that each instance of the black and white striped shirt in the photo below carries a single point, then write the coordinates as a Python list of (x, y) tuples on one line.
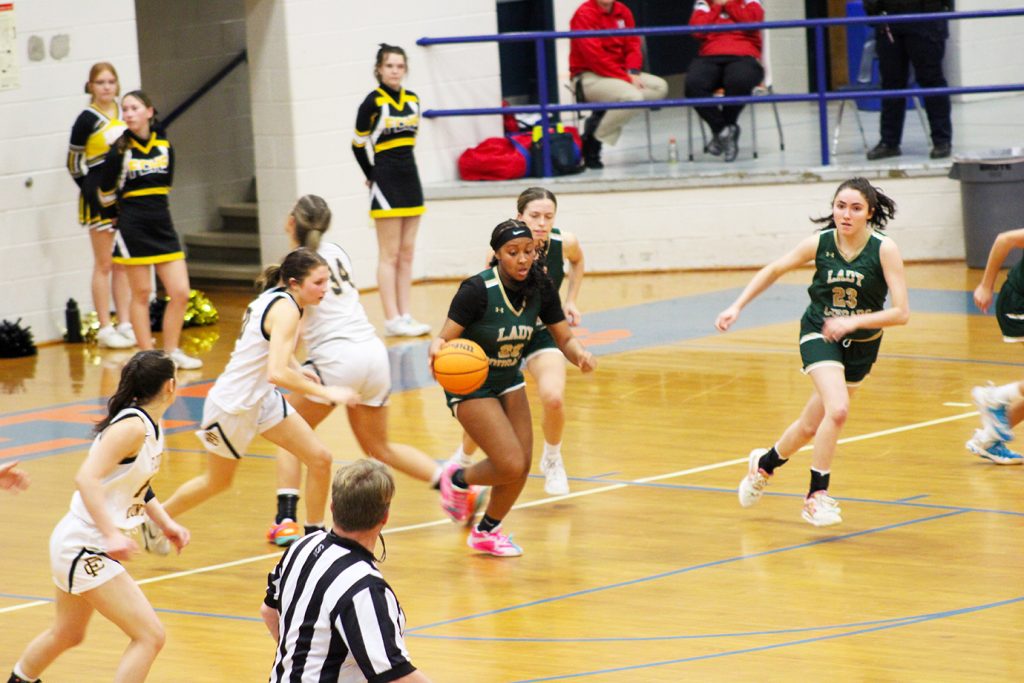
[(339, 619)]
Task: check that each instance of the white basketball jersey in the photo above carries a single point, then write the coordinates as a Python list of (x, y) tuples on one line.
[(339, 315), (124, 488), (244, 382)]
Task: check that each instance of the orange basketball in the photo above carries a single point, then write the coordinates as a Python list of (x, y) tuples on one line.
[(461, 366)]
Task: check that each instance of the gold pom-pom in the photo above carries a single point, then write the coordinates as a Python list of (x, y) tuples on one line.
[(90, 327), (199, 342), (200, 310)]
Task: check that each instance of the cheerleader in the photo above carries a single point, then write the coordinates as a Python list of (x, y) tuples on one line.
[(387, 121), (95, 129), (135, 182)]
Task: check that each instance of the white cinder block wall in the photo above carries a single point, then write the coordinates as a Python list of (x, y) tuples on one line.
[(311, 65), (183, 45), (985, 50), (45, 256)]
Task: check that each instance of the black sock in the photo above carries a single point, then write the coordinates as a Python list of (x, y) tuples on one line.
[(287, 507), (819, 481), (488, 524), (770, 460), (459, 478), (312, 528)]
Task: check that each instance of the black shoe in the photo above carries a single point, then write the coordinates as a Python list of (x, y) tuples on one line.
[(592, 152), (714, 146), (592, 122), (883, 151), (729, 139), (941, 150)]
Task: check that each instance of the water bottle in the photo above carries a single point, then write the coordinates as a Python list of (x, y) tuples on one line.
[(673, 151), (73, 319)]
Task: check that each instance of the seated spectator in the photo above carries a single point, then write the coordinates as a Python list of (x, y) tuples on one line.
[(608, 70), (727, 60)]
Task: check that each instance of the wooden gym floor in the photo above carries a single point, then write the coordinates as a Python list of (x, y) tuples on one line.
[(649, 570)]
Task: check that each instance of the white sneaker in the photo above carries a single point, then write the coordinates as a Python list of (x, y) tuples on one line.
[(752, 486), (993, 451), (184, 361), (153, 540), (396, 327), (109, 338), (126, 331), (555, 481), (415, 327), (821, 509)]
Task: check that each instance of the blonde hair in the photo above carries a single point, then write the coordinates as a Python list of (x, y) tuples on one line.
[(312, 218)]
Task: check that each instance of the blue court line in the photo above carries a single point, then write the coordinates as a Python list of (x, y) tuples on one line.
[(736, 634), (684, 570), (164, 610), (910, 498), (775, 646)]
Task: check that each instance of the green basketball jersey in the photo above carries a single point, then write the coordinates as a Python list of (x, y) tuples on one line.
[(1015, 278), (845, 288), (554, 261), (503, 331)]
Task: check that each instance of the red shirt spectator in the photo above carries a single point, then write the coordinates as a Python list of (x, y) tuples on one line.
[(733, 43), (608, 56)]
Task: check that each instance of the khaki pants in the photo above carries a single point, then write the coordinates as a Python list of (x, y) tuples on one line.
[(599, 89)]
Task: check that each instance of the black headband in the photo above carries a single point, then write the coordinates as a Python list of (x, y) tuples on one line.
[(513, 231)]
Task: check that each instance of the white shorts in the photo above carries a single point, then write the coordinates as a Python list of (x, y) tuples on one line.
[(77, 558), (363, 366), (228, 435)]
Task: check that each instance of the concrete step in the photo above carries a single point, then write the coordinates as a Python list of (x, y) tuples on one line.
[(240, 210), (224, 239), (223, 272), (240, 217)]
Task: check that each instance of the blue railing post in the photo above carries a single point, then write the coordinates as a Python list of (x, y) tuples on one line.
[(542, 98), (822, 86)]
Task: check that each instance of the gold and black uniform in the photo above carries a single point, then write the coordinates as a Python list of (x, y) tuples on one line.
[(137, 181), (387, 121), (91, 137)]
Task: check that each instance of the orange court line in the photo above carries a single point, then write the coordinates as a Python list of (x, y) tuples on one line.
[(53, 444), (82, 414), (196, 390)]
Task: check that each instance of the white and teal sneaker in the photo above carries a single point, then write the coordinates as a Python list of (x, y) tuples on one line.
[(995, 451)]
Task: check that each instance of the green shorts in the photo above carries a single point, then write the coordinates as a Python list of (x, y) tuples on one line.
[(1010, 314), (541, 342), (855, 356), (490, 389)]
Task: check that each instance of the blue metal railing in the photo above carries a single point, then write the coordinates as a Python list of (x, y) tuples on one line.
[(821, 95)]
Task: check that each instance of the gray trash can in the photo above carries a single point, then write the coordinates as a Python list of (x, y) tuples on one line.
[(992, 195)]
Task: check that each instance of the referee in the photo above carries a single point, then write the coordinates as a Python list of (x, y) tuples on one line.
[(333, 615)]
